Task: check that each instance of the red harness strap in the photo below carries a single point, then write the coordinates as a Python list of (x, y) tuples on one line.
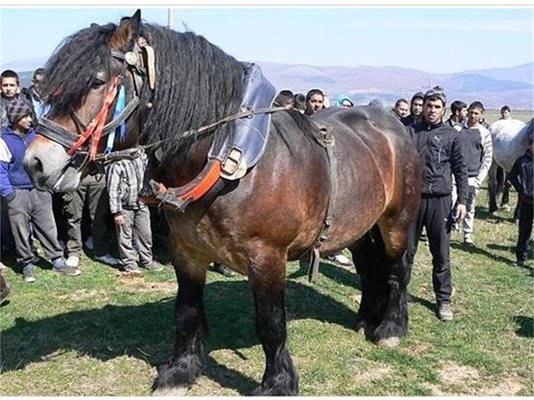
[(179, 197), (96, 126)]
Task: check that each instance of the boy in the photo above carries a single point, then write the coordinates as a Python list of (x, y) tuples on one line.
[(131, 215), (26, 204)]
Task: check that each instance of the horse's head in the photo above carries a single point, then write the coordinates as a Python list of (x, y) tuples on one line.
[(93, 85)]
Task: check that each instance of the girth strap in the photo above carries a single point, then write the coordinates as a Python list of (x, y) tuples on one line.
[(328, 142), (179, 198)]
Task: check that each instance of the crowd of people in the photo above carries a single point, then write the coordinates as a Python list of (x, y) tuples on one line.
[(455, 155)]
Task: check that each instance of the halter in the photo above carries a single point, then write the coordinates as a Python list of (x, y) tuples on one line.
[(98, 127)]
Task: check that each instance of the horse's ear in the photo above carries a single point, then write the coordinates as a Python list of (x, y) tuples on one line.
[(127, 32)]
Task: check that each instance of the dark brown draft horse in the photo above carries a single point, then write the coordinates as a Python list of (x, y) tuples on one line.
[(257, 223)]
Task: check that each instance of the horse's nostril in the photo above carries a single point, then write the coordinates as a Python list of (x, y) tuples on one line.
[(37, 165)]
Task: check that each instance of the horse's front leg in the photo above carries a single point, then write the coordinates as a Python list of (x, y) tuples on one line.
[(185, 365), (267, 278)]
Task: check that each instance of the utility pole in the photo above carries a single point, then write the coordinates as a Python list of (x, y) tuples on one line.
[(169, 18)]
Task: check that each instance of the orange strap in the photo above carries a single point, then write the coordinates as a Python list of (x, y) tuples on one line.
[(185, 194), (205, 184), (96, 126)]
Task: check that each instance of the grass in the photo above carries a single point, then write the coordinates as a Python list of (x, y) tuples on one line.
[(104, 333)]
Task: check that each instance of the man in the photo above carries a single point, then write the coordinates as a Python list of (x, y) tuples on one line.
[(344, 101), (441, 155), (521, 176), (314, 101), (416, 110), (401, 109), (458, 115), (477, 147), (91, 193), (10, 90), (33, 94), (506, 113), (284, 99), (26, 204)]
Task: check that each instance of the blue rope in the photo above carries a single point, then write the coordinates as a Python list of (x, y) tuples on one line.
[(121, 104)]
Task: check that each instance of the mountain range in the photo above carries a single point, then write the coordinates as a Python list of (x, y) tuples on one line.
[(495, 87)]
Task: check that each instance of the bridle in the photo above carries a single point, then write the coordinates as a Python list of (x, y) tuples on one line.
[(133, 62), (76, 143)]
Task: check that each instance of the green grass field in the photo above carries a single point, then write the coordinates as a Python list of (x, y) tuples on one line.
[(104, 333)]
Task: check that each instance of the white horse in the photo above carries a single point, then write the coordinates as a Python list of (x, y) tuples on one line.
[(510, 140)]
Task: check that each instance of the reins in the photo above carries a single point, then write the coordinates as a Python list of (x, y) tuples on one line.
[(129, 153)]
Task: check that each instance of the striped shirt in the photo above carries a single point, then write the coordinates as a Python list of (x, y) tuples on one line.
[(124, 180)]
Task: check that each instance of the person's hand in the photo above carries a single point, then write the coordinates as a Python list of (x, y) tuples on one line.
[(461, 211), (10, 197), (119, 219)]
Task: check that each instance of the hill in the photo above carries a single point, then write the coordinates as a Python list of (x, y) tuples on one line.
[(494, 87)]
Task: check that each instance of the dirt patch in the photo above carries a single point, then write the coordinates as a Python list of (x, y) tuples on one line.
[(372, 372), (84, 294), (461, 379), (455, 374), (139, 284), (507, 386)]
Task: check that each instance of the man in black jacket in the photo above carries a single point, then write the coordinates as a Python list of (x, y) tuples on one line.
[(521, 176), (441, 156)]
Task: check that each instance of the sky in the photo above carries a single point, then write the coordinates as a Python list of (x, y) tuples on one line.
[(449, 39)]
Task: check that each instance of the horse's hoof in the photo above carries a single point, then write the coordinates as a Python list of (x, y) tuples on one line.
[(389, 342), (170, 391)]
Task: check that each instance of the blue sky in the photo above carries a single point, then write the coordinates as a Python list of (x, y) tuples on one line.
[(430, 39)]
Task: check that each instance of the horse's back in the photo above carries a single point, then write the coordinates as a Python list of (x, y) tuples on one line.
[(510, 138)]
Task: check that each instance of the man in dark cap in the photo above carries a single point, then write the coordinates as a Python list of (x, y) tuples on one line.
[(26, 204), (441, 157)]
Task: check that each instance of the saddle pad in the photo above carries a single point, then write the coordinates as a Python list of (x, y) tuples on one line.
[(250, 134)]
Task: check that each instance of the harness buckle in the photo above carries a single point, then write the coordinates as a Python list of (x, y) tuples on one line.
[(232, 161)]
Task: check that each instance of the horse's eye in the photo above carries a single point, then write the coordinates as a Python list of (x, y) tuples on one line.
[(97, 83)]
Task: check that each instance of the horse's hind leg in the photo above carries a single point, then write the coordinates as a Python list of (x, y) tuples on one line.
[(185, 365), (394, 323), (267, 279), (368, 256)]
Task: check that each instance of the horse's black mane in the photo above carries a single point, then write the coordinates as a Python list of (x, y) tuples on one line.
[(196, 82), (70, 71)]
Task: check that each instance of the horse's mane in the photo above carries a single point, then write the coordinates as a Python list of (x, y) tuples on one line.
[(196, 82), (71, 69)]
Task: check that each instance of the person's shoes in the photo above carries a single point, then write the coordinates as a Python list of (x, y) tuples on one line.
[(107, 259), (521, 263), (468, 240), (445, 312), (340, 259), (60, 267), (73, 261), (89, 243), (223, 270), (28, 272), (154, 266), (506, 207), (132, 269)]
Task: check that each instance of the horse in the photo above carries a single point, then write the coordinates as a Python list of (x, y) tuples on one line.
[(510, 140), (359, 189)]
